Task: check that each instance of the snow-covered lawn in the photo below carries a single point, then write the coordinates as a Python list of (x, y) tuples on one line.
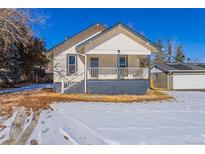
[(181, 121)]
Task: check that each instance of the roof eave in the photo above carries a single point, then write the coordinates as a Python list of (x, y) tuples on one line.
[(178, 71), (187, 71)]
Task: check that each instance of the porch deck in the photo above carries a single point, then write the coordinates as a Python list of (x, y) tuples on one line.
[(108, 80)]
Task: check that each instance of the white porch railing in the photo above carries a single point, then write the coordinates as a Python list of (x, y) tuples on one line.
[(102, 73), (133, 73), (105, 73), (78, 77)]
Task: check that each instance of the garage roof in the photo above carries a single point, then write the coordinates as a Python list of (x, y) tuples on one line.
[(181, 67)]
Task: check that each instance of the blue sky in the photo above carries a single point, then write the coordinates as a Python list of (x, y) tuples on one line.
[(185, 26)]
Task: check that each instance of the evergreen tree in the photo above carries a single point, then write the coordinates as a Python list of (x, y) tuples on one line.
[(11, 70), (34, 60), (160, 57), (23, 63), (159, 43), (180, 57), (169, 53)]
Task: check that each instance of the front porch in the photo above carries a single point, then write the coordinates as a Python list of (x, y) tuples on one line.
[(117, 67), (110, 74)]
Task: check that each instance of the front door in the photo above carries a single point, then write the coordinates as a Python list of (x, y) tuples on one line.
[(123, 64), (94, 63)]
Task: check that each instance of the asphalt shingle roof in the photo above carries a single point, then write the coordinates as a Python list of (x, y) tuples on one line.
[(174, 67)]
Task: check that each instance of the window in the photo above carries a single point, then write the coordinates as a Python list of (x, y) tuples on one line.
[(123, 61), (93, 62), (94, 65), (71, 64)]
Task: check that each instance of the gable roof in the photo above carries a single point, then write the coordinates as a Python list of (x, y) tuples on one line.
[(154, 45), (181, 67), (93, 29)]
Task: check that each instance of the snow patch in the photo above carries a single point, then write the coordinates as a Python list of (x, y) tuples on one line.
[(180, 121), (28, 88), (4, 134)]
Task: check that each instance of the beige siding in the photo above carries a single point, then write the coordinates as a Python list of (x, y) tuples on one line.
[(49, 68), (133, 61), (60, 62), (105, 48), (170, 79), (117, 42), (122, 33), (104, 60), (60, 65), (75, 40), (111, 60), (160, 80)]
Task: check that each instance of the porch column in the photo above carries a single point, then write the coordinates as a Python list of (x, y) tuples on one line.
[(149, 70), (85, 75), (62, 85), (118, 65)]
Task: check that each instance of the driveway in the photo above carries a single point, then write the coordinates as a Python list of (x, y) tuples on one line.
[(180, 121)]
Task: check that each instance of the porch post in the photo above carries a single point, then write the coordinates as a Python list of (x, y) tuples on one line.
[(62, 85), (118, 68), (149, 70), (85, 75)]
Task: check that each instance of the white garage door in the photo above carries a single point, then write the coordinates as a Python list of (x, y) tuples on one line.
[(189, 81)]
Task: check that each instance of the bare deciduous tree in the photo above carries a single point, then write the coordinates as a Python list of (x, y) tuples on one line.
[(16, 26)]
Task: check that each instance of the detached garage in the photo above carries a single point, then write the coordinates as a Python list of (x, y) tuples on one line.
[(179, 76)]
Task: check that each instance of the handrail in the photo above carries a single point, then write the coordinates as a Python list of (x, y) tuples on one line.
[(71, 82), (75, 75)]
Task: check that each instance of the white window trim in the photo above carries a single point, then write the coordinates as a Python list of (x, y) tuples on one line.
[(126, 60), (68, 71)]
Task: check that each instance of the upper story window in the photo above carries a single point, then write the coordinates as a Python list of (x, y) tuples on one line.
[(72, 64)]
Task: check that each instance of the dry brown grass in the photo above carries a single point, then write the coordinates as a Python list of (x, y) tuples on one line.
[(41, 99), (2, 127)]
